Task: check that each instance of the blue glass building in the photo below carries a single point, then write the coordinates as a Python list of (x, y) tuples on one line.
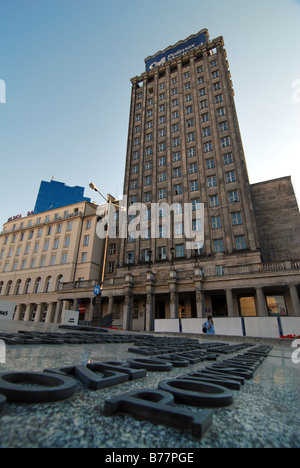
[(54, 195)]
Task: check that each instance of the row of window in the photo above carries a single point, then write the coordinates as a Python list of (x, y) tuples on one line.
[(176, 142), (33, 262), (46, 245), (236, 219), (177, 188), (209, 163), (179, 252), (49, 232), (187, 97), (206, 132), (29, 287), (47, 220), (187, 75)]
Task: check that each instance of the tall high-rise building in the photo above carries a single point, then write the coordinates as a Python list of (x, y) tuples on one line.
[(185, 147), (55, 194)]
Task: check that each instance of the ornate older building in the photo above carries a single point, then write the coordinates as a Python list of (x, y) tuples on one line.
[(185, 147), (50, 262)]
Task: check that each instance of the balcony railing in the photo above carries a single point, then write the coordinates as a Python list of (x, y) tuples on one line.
[(89, 284)]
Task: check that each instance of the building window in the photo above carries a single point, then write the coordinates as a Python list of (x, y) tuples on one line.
[(111, 267), (236, 218), (193, 168), (130, 258), (214, 201), (86, 241), (179, 251), (230, 177), (162, 177), (216, 222), (148, 181), (177, 189), (162, 194), (211, 181), (194, 185), (233, 196), (204, 118), (192, 152), (162, 161), (70, 226), (208, 147), (240, 243), (191, 137), (206, 132), (276, 305), (64, 259), (177, 173), (228, 158), (176, 157), (225, 142), (162, 253), (221, 112), (210, 163), (218, 245), (84, 257), (223, 126), (147, 197)]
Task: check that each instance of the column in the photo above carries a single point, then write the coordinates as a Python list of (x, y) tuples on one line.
[(200, 304), (295, 300), (27, 315), (51, 309), (127, 312), (229, 299), (174, 304), (150, 308), (18, 312), (110, 305), (38, 313), (262, 304)]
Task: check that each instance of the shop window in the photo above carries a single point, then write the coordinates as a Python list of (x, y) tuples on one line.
[(276, 305)]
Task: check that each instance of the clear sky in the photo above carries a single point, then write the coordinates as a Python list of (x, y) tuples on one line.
[(67, 66)]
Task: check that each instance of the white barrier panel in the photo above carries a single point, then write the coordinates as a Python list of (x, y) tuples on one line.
[(166, 325), (290, 325), (230, 326), (7, 310), (262, 327)]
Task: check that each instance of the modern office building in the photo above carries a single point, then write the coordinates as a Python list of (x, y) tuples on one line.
[(185, 147), (51, 262), (53, 195)]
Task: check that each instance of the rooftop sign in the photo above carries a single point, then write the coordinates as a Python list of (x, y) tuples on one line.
[(174, 51)]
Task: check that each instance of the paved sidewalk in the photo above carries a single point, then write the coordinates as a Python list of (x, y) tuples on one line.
[(265, 412)]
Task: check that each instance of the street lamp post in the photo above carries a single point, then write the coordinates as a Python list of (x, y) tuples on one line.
[(109, 202)]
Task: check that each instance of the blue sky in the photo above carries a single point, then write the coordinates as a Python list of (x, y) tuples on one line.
[(67, 66)]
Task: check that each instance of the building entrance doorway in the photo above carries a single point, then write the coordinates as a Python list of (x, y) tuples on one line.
[(219, 306)]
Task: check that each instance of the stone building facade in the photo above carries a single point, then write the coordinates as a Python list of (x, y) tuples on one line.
[(185, 147), (50, 262)]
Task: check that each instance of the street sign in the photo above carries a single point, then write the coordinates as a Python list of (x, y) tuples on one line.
[(97, 290)]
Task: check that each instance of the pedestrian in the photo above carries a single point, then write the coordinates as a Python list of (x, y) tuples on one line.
[(210, 326)]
